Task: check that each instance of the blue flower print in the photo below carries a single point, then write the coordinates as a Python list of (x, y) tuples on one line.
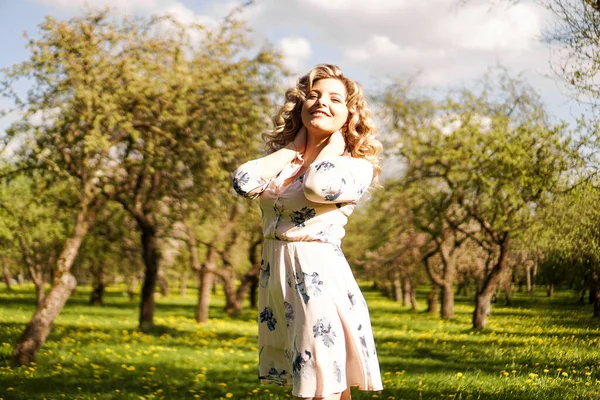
[(299, 363), (324, 234), (351, 298), (361, 191), (337, 371), (332, 194), (300, 217), (324, 166), (301, 288), (323, 329), (264, 274), (363, 344), (308, 285), (267, 316), (275, 376), (312, 283), (239, 180), (289, 313), (338, 251)]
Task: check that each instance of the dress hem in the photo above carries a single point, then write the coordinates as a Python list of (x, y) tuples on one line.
[(360, 387)]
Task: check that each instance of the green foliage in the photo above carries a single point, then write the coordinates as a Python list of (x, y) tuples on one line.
[(35, 215), (490, 154), (567, 231)]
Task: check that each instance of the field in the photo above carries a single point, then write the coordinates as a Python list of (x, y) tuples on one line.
[(537, 348)]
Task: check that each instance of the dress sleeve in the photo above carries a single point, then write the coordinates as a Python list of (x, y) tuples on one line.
[(337, 180), (247, 180)]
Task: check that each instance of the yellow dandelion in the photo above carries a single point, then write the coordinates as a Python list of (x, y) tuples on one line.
[(229, 395)]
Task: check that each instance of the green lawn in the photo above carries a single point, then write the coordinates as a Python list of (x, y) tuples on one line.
[(538, 348)]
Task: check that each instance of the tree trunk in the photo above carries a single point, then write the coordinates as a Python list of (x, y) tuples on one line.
[(432, 300), (467, 289), (595, 294), (447, 309), (550, 290), (446, 282), (163, 284), (250, 280), (533, 277), (6, 273), (406, 288), (205, 283), (131, 288), (40, 293), (246, 285), (20, 277), (483, 298), (483, 302), (232, 305), (38, 328), (396, 285), (507, 294), (183, 281), (528, 272), (36, 273), (151, 258), (254, 293), (97, 297), (413, 299)]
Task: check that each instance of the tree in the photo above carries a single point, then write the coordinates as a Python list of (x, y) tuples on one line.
[(569, 235), (495, 155), (137, 112), (67, 130), (33, 217), (193, 109)]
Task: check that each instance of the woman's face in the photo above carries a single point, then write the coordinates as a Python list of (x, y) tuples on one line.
[(325, 110)]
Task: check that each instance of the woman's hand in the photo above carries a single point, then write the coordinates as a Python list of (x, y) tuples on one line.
[(336, 146), (337, 143)]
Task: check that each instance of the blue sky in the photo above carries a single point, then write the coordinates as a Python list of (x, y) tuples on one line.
[(373, 41)]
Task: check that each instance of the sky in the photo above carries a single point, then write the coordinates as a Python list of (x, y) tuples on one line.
[(443, 43)]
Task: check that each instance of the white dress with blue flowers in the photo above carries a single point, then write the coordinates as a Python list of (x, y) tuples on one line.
[(314, 327)]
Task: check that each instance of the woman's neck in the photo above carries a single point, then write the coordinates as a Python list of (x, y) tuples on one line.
[(314, 145)]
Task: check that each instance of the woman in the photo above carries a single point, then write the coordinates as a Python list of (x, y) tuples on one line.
[(314, 327)]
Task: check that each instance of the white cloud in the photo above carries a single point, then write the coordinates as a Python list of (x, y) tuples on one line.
[(447, 41), (127, 6), (513, 29), (132, 7), (296, 51), (186, 15), (374, 7)]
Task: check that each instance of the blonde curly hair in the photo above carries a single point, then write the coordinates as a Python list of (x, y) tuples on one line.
[(359, 132)]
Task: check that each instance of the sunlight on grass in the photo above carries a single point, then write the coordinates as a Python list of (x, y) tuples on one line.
[(537, 349)]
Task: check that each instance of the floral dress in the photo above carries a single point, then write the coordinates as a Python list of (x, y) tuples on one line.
[(314, 327)]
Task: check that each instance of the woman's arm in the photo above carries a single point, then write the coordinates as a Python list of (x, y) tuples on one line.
[(333, 178), (251, 178)]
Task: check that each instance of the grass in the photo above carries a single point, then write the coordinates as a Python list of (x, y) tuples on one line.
[(538, 348)]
